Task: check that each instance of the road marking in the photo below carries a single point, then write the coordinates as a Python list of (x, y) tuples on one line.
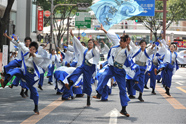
[(180, 88), (113, 114), (45, 111), (179, 83), (176, 104)]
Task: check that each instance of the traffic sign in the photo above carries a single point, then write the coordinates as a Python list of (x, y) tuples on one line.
[(83, 20), (83, 34), (148, 6), (47, 13)]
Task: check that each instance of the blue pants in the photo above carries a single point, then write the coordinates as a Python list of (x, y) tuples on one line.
[(60, 76), (16, 81), (142, 78), (41, 79), (105, 93), (77, 90), (119, 75), (153, 78), (73, 64), (50, 72), (168, 74), (12, 64), (163, 79), (158, 77), (67, 93), (130, 89), (87, 75), (29, 78), (22, 84), (147, 77)]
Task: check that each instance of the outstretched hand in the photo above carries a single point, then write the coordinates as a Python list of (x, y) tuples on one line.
[(71, 33), (5, 34)]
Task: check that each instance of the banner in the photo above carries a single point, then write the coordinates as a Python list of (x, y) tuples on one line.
[(40, 20), (110, 12)]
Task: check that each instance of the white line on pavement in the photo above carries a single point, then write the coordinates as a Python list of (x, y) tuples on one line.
[(179, 83)]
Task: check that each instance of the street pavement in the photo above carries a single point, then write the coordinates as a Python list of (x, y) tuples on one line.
[(157, 109)]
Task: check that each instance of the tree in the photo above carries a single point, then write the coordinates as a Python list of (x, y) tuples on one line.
[(176, 11), (4, 22), (62, 13)]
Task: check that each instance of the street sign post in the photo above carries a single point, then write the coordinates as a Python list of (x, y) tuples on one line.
[(148, 6), (83, 20)]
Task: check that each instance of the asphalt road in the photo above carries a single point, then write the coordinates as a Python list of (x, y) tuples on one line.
[(157, 109)]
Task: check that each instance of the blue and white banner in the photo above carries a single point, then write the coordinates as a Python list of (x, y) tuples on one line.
[(110, 12)]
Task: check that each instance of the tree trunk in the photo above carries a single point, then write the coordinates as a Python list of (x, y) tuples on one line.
[(4, 23)]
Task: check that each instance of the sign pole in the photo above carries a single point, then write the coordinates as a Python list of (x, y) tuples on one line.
[(67, 30), (79, 32), (51, 25), (164, 18)]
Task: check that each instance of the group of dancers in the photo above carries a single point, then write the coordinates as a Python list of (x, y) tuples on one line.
[(128, 65)]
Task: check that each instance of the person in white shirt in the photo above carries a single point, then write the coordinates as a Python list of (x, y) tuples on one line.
[(89, 57), (169, 64), (29, 71), (116, 60), (141, 56), (55, 60)]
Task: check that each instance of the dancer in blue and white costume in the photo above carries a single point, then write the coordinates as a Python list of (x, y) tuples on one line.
[(89, 58), (141, 56), (29, 71), (170, 64)]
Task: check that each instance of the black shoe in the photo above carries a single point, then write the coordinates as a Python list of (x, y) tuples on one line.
[(65, 98), (167, 91), (163, 85), (158, 81), (88, 100), (58, 93), (26, 93), (50, 83), (153, 93), (124, 112), (79, 95), (132, 97), (98, 96), (40, 87), (114, 84), (22, 94), (104, 100), (36, 109), (146, 87), (72, 97), (140, 99)]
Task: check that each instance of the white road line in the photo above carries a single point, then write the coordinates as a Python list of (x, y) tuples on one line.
[(113, 114), (179, 83)]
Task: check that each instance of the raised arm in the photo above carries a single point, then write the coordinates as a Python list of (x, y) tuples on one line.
[(112, 36), (77, 42), (12, 40), (151, 50), (105, 48), (21, 45), (133, 46)]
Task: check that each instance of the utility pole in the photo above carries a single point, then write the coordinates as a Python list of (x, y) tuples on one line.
[(51, 24), (164, 17), (67, 30)]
